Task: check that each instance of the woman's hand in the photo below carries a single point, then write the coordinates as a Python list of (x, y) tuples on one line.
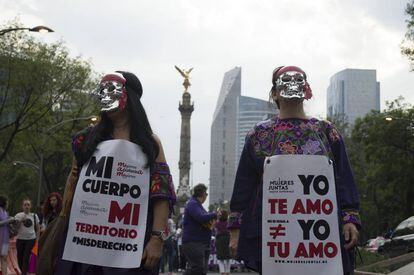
[(234, 242), (351, 235), (152, 253), (233, 247)]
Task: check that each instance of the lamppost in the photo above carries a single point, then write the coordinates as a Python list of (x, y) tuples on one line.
[(41, 29), (41, 156), (409, 127)]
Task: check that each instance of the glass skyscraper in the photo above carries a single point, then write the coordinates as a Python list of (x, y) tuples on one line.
[(234, 116), (352, 93)]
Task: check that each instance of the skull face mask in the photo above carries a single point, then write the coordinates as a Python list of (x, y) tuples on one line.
[(291, 82), (112, 93)]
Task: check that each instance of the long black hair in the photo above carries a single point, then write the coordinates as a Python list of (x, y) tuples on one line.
[(140, 128)]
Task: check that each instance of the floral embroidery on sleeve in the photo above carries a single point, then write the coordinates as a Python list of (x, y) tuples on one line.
[(79, 138), (334, 135), (351, 216), (234, 220), (162, 186)]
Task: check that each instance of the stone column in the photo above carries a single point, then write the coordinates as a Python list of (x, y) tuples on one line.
[(186, 108)]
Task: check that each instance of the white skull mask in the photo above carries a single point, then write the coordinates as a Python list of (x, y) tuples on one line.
[(111, 93), (291, 84)]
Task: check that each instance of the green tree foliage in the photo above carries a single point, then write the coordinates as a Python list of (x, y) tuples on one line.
[(382, 154), (407, 47), (41, 86)]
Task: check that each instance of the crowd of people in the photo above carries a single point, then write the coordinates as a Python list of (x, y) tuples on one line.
[(189, 250), (120, 188), (26, 226)]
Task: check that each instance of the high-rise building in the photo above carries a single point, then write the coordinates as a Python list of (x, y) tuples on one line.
[(233, 117), (352, 93)]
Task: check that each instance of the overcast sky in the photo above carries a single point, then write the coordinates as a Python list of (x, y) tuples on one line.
[(149, 37)]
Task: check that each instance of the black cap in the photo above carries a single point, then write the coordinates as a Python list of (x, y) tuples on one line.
[(132, 83)]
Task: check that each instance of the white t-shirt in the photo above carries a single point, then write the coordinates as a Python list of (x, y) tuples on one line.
[(27, 226), (179, 236)]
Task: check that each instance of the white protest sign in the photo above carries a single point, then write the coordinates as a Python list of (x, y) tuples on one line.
[(300, 232), (109, 211)]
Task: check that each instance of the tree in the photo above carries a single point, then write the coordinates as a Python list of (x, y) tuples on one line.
[(341, 123), (40, 85), (383, 166), (407, 46)]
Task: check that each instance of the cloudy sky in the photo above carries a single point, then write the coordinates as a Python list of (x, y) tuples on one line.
[(149, 37)]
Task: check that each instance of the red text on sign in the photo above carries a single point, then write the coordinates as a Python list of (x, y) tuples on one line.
[(129, 214)]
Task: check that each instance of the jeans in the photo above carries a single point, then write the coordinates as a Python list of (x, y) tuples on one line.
[(181, 258), (24, 249), (197, 255), (169, 254)]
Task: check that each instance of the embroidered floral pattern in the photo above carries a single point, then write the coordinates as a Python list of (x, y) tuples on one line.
[(351, 216), (287, 147), (283, 126), (155, 183), (334, 135), (162, 186), (261, 135), (311, 147), (234, 220), (293, 136), (79, 139), (161, 180)]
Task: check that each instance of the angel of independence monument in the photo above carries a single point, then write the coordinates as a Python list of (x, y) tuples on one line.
[(186, 107)]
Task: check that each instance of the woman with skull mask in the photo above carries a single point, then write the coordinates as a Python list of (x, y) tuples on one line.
[(124, 131), (291, 134)]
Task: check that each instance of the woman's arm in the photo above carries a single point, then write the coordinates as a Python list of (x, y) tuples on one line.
[(69, 189), (161, 211), (347, 191), (9, 220), (246, 180), (199, 214)]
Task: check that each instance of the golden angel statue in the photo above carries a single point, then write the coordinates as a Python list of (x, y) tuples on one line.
[(186, 75)]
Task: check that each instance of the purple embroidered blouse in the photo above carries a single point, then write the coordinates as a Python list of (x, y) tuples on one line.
[(286, 136)]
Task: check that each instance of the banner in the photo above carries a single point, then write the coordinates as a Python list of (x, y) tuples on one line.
[(109, 211), (300, 230)]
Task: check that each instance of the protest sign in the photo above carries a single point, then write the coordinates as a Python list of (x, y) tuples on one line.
[(109, 211), (300, 232)]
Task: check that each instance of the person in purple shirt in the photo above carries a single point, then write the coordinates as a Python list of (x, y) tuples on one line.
[(222, 243), (197, 226), (291, 133), (4, 234)]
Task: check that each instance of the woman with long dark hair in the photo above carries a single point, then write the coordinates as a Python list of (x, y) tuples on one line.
[(123, 132), (51, 208)]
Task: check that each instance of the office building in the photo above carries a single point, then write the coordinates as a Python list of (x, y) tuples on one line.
[(352, 93), (233, 117)]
